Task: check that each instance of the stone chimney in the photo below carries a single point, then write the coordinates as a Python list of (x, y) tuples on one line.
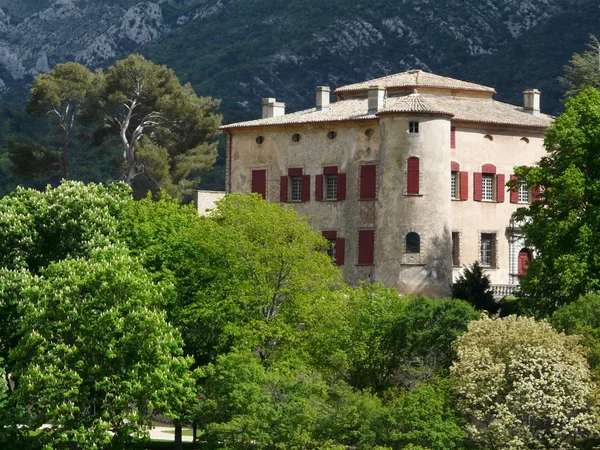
[(272, 108), (323, 96), (531, 101), (376, 99)]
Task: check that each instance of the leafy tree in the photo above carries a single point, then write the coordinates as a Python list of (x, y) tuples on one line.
[(582, 318), (30, 160), (61, 92), (583, 70), (166, 131), (562, 226), (97, 357), (521, 385), (474, 286)]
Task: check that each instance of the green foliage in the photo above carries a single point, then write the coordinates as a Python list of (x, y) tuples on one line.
[(562, 224), (583, 70), (522, 385), (167, 132), (474, 286), (582, 318), (31, 160), (97, 358)]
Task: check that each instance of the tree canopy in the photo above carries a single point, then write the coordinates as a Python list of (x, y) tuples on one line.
[(562, 225), (583, 71)]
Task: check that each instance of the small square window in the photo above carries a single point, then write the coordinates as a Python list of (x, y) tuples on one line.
[(487, 250), (331, 187), (487, 187), (413, 127), (295, 189)]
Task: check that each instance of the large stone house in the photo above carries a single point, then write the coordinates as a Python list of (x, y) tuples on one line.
[(405, 175)]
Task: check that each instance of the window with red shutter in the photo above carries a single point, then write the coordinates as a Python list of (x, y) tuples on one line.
[(340, 251), (259, 182), (464, 185), (319, 188), (366, 246), (283, 189), (412, 176), (514, 193), (368, 181), (500, 187), (336, 248), (305, 188), (341, 185), (477, 188), (452, 137), (535, 193)]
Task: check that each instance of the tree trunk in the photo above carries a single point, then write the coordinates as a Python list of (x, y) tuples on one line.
[(65, 153), (195, 435), (178, 436)]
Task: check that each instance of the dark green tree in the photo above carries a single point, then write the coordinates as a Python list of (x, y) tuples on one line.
[(166, 132), (61, 93), (474, 286), (562, 225), (583, 70)]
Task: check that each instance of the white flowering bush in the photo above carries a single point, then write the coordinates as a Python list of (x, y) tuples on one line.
[(522, 385)]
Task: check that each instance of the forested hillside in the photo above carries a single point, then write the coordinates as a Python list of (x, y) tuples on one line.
[(241, 51)]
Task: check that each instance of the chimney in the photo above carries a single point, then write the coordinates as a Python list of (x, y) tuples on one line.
[(376, 99), (323, 96), (272, 108), (531, 101)]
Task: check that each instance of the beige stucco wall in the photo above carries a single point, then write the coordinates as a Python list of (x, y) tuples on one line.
[(505, 151), (433, 214), (205, 200)]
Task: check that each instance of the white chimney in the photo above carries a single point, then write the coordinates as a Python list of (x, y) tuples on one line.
[(272, 108), (376, 99), (323, 97), (531, 101)]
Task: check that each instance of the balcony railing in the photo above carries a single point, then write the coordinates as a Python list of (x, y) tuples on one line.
[(503, 290)]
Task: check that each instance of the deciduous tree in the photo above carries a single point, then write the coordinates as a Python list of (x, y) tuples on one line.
[(522, 385), (562, 225), (583, 71)]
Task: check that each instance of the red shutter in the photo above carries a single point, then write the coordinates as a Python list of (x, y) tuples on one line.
[(341, 180), (500, 187), (514, 193), (294, 172), (412, 176), (259, 182), (283, 189), (452, 137), (536, 193), (368, 181), (319, 188), (331, 170), (340, 251), (454, 166), (477, 186), (464, 185), (366, 246), (305, 188)]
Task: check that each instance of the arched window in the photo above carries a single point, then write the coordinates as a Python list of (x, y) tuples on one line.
[(413, 243)]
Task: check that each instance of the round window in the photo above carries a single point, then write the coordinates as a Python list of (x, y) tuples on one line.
[(370, 132), (332, 135), (296, 137), (260, 140)]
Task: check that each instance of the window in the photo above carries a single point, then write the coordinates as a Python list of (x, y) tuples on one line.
[(366, 247), (295, 187), (413, 243), (369, 133), (487, 250), (332, 135), (487, 185), (412, 176), (454, 185), (260, 140), (259, 182), (368, 182), (523, 261), (331, 185), (413, 127), (296, 138), (336, 248), (452, 137), (523, 193), (455, 248)]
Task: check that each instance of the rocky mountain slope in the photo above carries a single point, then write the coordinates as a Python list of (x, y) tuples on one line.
[(242, 50)]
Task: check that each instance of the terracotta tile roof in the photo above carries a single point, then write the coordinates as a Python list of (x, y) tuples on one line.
[(415, 79), (460, 109)]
